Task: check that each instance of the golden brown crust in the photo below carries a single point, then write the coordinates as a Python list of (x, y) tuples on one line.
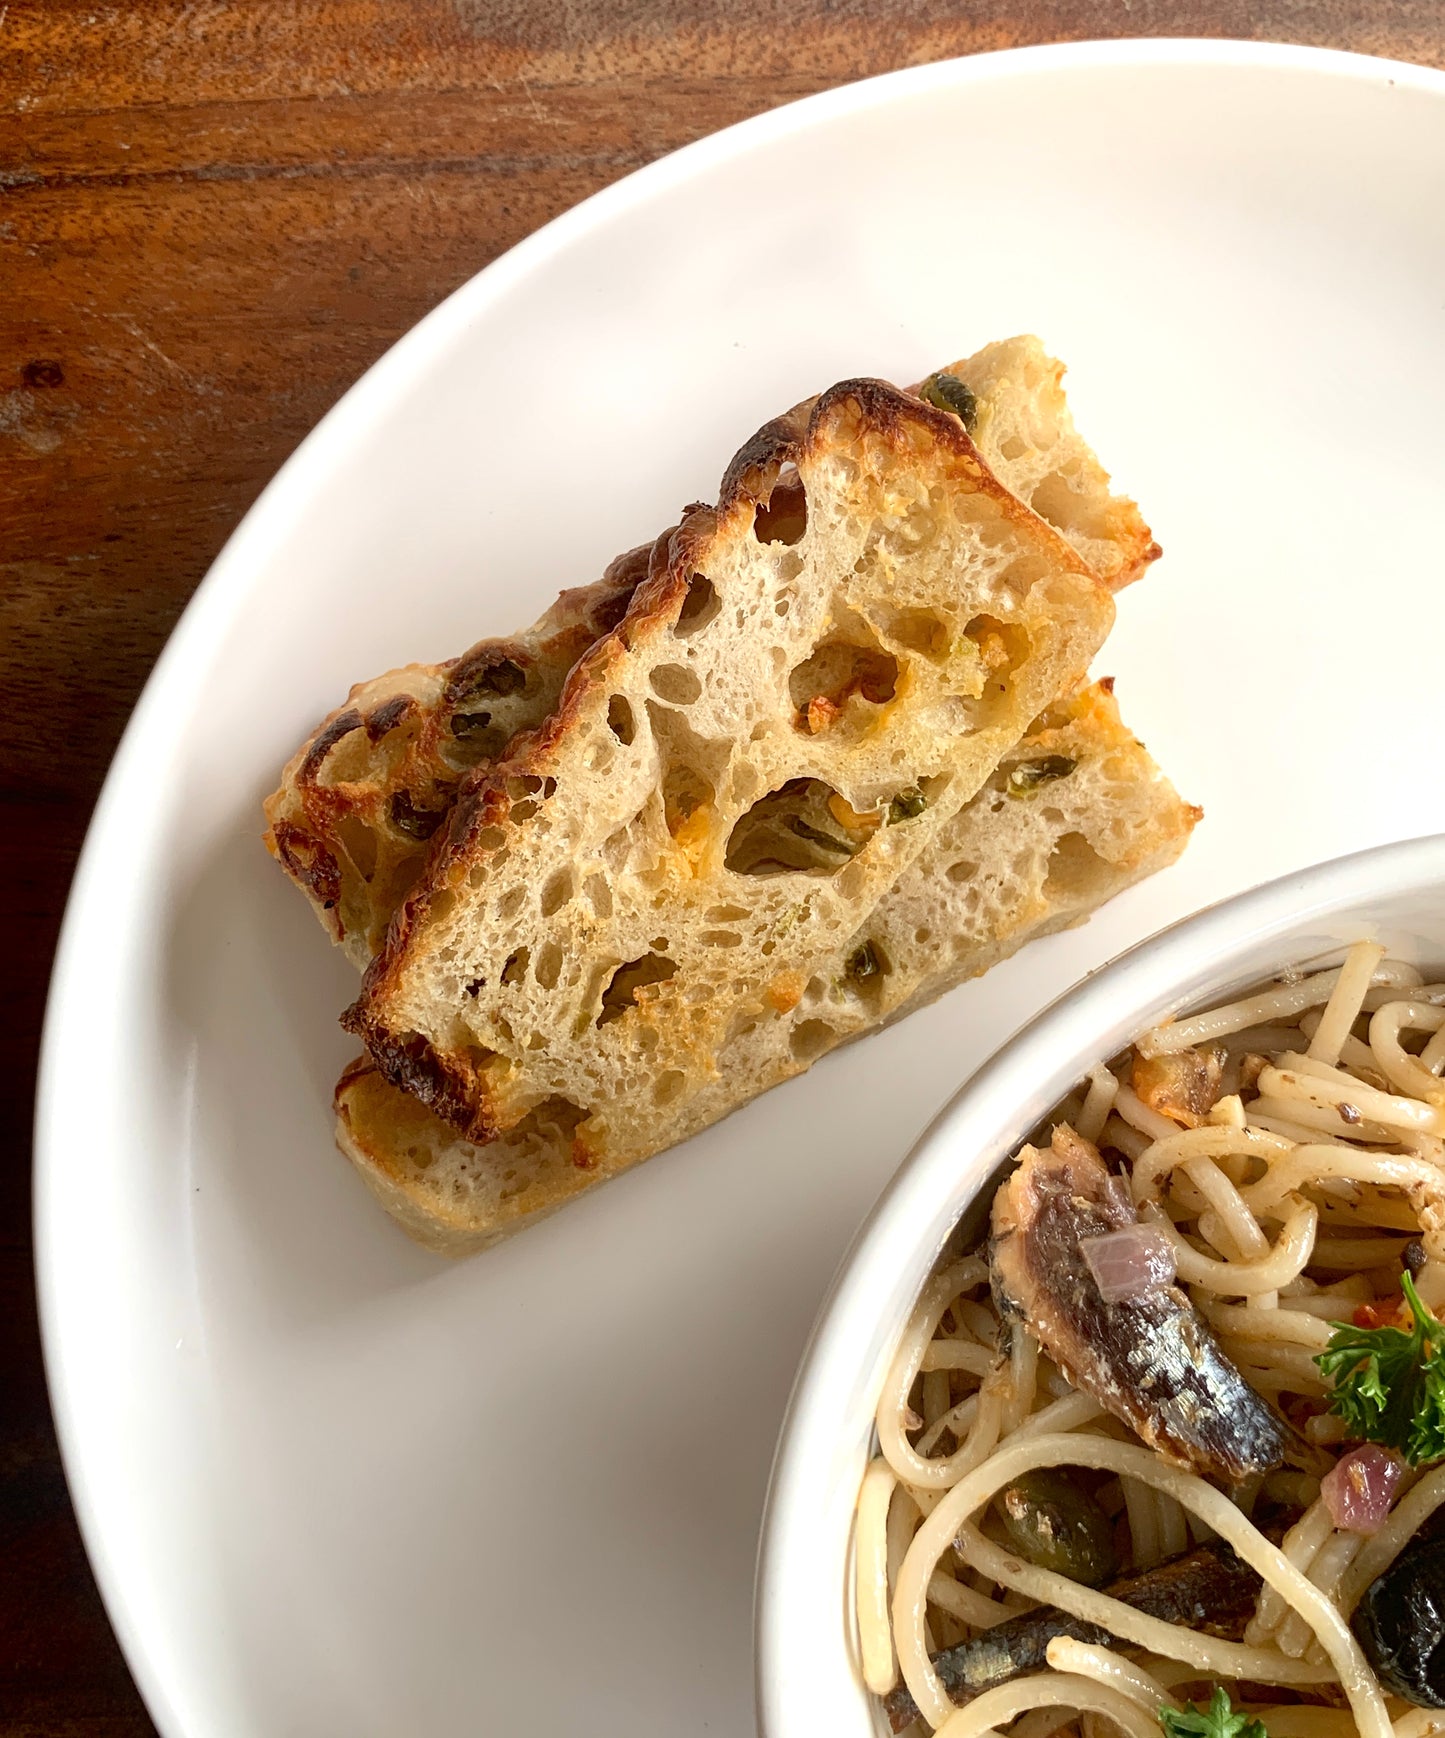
[(410, 1161), (359, 805)]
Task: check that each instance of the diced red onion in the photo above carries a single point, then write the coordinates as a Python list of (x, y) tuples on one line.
[(1359, 1489), (1133, 1263)]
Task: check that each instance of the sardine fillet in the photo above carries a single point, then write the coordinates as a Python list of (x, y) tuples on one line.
[(1211, 1590), (1151, 1361)]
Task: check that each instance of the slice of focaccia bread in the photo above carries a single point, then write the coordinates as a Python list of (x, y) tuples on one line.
[(1072, 815), (813, 680), (361, 798), (359, 802)]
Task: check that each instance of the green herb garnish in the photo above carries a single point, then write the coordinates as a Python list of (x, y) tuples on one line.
[(863, 963), (1389, 1383), (1219, 1720), (949, 393), (907, 805), (1025, 779), (416, 823)]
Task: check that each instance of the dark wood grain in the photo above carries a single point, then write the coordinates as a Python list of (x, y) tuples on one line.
[(213, 217)]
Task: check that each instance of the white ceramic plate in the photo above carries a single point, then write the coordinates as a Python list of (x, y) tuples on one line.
[(334, 1485)]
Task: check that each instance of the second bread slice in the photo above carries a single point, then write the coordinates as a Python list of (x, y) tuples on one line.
[(1073, 815)]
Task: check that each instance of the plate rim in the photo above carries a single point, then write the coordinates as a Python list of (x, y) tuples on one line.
[(223, 593)]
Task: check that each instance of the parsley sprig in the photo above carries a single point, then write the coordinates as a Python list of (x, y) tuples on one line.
[(1389, 1383), (1219, 1720)]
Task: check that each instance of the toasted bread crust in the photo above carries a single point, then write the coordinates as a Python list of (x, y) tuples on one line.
[(354, 837)]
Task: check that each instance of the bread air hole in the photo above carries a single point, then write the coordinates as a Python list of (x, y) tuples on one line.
[(483, 672), (478, 1057), (1003, 646), (669, 1086), (919, 630), (544, 1137), (557, 889), (515, 969), (687, 800), (1076, 870), (1066, 507), (677, 684), (783, 517), (475, 737), (620, 720), (804, 827), (359, 843), (810, 1039), (622, 992), (348, 758), (961, 871), (690, 765), (841, 679), (698, 608), (599, 895), (417, 819)]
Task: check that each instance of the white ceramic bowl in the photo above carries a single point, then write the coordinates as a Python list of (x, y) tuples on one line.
[(807, 1676)]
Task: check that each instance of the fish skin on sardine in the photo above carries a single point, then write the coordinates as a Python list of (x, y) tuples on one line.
[(1209, 1589), (1151, 1361)]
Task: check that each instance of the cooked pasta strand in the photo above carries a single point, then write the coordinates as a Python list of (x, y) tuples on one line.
[(875, 1635), (1345, 1000), (1106, 1667), (994, 1708), (1285, 1262), (1285, 1001), (1378, 1553), (1098, 1102), (1408, 1074), (1391, 1110)]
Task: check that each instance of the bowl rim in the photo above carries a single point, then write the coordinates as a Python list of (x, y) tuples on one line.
[(909, 1224)]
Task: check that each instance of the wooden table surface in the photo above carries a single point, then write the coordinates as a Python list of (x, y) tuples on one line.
[(213, 217)]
